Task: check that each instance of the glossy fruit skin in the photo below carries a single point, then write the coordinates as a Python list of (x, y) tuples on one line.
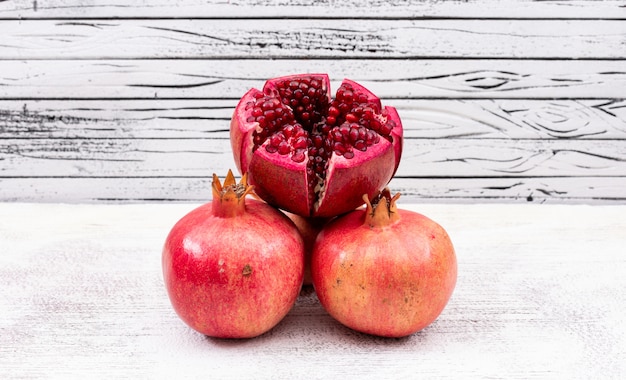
[(387, 281), (285, 183), (233, 277)]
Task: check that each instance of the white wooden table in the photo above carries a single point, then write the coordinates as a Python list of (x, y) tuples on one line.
[(540, 294)]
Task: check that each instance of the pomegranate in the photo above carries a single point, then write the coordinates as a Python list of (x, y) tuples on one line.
[(310, 154), (233, 267), (382, 270), (309, 228)]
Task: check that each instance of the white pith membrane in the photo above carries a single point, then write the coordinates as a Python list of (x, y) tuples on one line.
[(330, 127)]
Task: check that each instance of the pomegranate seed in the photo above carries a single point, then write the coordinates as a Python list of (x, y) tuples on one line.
[(362, 133), (300, 132), (351, 118), (300, 143), (339, 148), (270, 114), (288, 131), (298, 155), (276, 139), (385, 129), (354, 134), (284, 148), (317, 141)]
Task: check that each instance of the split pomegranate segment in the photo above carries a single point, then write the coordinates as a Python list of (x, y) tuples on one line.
[(311, 154)]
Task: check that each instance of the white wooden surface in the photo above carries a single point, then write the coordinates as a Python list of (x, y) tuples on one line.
[(540, 295), (506, 101)]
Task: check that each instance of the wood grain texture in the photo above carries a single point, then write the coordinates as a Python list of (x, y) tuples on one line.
[(390, 79), (311, 39), (20, 9), (123, 189), (539, 295), (210, 118), (422, 157), (504, 101)]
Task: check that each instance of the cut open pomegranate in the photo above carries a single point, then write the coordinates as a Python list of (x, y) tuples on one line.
[(311, 154)]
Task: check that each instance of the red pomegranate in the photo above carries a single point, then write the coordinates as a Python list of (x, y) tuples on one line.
[(233, 267), (311, 154), (382, 270), (309, 229)]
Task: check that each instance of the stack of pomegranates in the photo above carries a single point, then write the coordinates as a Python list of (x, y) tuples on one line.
[(234, 267)]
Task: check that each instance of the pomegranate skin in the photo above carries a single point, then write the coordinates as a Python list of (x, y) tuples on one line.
[(309, 228), (389, 281), (233, 277), (290, 183)]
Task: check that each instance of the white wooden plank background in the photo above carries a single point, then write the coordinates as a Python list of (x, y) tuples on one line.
[(540, 295), (509, 101)]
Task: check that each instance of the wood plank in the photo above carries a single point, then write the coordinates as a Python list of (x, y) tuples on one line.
[(558, 190), (21, 9), (229, 79), (442, 158), (311, 39), (599, 119), (82, 296)]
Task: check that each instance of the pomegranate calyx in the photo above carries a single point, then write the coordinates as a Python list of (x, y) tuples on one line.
[(228, 199), (381, 211)]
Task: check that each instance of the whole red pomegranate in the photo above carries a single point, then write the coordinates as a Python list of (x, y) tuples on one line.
[(311, 154), (382, 270), (233, 267), (309, 228)]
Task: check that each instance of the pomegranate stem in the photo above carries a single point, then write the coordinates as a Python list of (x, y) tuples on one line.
[(229, 199), (382, 210)]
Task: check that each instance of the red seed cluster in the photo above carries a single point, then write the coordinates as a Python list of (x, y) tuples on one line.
[(271, 115), (306, 97), (299, 121)]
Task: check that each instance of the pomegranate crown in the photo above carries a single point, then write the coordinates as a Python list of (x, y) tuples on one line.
[(228, 199), (381, 210)]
